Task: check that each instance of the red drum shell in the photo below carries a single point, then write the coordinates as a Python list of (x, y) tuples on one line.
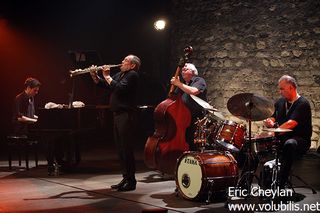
[(232, 133), (264, 144)]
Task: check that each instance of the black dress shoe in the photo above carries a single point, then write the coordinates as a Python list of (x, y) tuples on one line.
[(117, 186), (127, 186)]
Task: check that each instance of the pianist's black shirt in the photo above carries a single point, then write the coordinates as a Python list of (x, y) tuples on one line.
[(23, 106)]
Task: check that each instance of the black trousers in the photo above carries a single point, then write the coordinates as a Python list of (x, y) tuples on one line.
[(290, 150), (124, 136)]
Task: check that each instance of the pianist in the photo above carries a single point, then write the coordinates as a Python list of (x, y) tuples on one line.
[(23, 109), (24, 116)]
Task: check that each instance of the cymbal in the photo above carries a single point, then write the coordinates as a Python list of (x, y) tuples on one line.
[(203, 103), (216, 114), (277, 130), (250, 106)]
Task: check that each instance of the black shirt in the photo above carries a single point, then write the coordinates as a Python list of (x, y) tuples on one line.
[(299, 111), (124, 90), (23, 106)]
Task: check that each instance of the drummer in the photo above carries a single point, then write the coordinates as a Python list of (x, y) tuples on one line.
[(192, 84), (292, 111)]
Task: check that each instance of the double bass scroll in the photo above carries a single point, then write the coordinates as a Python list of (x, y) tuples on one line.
[(187, 52)]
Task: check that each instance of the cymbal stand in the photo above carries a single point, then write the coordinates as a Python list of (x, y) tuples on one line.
[(248, 170), (276, 168)]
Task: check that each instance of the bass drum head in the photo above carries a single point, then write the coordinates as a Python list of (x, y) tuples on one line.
[(189, 176)]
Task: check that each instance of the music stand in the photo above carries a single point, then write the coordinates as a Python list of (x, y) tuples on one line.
[(81, 59)]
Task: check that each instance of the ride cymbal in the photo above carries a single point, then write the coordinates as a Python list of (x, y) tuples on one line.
[(250, 106)]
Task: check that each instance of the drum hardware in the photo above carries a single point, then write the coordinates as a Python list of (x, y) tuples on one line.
[(201, 134), (271, 169), (270, 174), (275, 172), (248, 170), (250, 107), (210, 192), (269, 177), (206, 132)]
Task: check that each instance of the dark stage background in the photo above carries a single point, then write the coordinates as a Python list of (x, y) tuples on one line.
[(45, 39), (239, 46)]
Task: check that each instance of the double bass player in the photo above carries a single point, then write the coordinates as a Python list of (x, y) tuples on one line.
[(192, 84), (173, 117)]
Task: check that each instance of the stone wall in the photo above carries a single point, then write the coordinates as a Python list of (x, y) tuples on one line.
[(245, 46)]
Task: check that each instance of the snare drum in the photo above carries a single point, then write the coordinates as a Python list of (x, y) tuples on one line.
[(231, 135), (264, 143), (199, 172)]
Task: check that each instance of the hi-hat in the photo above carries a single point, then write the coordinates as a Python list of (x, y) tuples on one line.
[(277, 130), (250, 106)]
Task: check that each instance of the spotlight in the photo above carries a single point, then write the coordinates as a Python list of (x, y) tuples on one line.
[(159, 24)]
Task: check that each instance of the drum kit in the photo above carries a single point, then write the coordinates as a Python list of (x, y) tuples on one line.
[(214, 168)]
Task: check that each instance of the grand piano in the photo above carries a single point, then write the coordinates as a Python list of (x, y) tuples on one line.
[(87, 124), (69, 124)]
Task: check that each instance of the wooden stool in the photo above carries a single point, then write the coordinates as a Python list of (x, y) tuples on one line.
[(21, 144)]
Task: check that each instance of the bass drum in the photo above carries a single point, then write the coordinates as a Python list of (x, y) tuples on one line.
[(199, 173)]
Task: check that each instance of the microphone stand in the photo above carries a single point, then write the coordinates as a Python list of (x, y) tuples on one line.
[(71, 95)]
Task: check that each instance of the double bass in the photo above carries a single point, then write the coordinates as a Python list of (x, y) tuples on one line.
[(171, 117)]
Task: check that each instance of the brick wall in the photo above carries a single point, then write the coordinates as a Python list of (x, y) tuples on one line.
[(245, 46)]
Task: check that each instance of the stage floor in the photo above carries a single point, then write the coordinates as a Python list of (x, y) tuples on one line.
[(87, 188)]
